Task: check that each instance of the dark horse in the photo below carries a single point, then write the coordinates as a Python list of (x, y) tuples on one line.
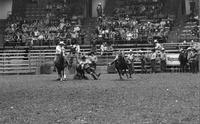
[(121, 65), (60, 64)]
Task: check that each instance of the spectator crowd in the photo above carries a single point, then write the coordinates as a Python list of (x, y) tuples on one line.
[(56, 26)]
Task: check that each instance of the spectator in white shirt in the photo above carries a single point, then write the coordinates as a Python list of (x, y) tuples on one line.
[(78, 49), (103, 48)]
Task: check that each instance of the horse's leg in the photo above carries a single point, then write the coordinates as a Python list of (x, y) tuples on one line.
[(120, 73), (126, 73), (93, 73), (130, 70), (64, 74), (59, 74)]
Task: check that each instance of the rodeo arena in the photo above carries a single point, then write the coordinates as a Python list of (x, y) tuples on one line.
[(99, 62)]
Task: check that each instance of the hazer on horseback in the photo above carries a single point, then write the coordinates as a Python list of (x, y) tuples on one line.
[(121, 64), (60, 61)]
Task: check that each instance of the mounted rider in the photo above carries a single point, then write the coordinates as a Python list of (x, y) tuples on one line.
[(119, 54), (59, 48)]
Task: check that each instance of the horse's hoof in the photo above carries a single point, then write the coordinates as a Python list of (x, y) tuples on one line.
[(58, 79)]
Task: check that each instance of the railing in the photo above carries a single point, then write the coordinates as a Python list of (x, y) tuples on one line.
[(19, 62)]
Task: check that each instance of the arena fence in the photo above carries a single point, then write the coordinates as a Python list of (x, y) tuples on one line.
[(19, 61)]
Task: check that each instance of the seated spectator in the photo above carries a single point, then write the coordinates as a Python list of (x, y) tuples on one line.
[(103, 48)]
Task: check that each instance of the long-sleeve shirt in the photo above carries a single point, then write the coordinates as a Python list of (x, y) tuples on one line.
[(59, 49), (153, 56), (93, 59)]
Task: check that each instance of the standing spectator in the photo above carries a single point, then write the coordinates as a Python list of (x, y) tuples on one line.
[(189, 58), (130, 59), (41, 39), (153, 61), (78, 49), (103, 48), (183, 60), (157, 45), (82, 37), (193, 61), (94, 48), (163, 60), (143, 62), (99, 10)]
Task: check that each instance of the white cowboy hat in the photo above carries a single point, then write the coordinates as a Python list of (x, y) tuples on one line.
[(155, 41), (163, 49), (99, 3), (61, 43), (189, 48)]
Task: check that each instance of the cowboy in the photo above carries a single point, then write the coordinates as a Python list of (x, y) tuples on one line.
[(99, 10), (130, 56), (143, 62), (130, 60), (84, 63), (157, 45), (59, 48), (93, 60), (183, 60), (193, 60), (153, 61), (163, 60), (120, 53), (189, 57)]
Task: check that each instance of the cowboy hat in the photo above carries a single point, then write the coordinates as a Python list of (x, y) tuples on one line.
[(163, 49), (189, 48), (61, 43)]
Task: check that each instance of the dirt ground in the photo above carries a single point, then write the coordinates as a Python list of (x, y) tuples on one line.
[(168, 98)]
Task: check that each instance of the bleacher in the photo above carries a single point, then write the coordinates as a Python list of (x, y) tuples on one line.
[(187, 33), (33, 12), (21, 61)]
